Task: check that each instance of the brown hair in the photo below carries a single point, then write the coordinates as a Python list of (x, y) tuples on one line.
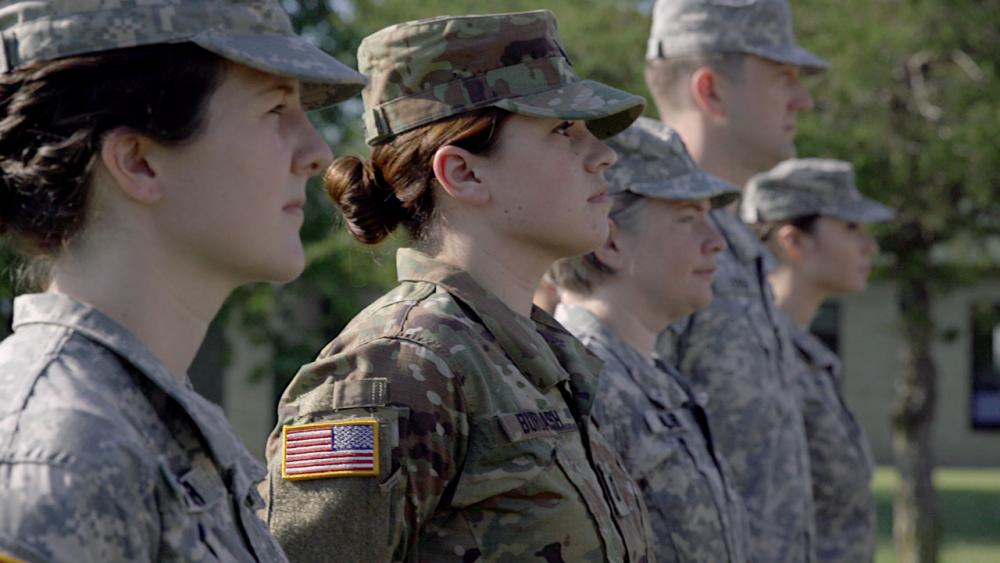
[(582, 274), (396, 185), (667, 78), (54, 115)]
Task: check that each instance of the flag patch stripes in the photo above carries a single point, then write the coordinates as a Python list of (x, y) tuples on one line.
[(343, 448)]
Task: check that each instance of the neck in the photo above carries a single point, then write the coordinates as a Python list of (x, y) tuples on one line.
[(636, 324), (508, 273), (167, 311), (798, 299)]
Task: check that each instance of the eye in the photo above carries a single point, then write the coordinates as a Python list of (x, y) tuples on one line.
[(278, 109), (563, 128)]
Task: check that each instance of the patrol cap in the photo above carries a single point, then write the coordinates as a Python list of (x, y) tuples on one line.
[(755, 27), (425, 70), (809, 186), (653, 162), (255, 33)]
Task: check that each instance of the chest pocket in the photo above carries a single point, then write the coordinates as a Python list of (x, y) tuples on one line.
[(197, 517), (509, 451)]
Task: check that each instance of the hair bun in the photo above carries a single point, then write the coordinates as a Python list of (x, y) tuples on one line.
[(370, 207)]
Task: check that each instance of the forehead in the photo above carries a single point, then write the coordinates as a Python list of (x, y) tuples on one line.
[(242, 82)]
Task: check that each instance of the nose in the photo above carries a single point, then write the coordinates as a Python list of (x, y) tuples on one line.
[(714, 242), (312, 154), (601, 156), (870, 245), (802, 100)]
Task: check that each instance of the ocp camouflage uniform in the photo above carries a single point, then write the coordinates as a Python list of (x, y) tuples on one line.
[(839, 455), (737, 353), (486, 448), (662, 434), (105, 456)]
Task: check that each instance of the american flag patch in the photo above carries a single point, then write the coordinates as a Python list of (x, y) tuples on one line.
[(345, 448)]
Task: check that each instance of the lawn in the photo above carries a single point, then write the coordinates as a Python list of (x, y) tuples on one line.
[(970, 506)]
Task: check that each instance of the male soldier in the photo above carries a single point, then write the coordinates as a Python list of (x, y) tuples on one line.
[(725, 74)]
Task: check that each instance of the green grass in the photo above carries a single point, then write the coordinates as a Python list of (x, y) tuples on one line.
[(970, 508)]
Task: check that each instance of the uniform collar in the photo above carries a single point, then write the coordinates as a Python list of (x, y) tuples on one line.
[(740, 239), (62, 310), (651, 377), (812, 349), (544, 351)]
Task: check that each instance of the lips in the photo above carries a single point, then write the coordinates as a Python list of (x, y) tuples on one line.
[(599, 197), (295, 206)]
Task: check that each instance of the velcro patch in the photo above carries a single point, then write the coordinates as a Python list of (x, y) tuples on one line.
[(531, 424), (343, 448)]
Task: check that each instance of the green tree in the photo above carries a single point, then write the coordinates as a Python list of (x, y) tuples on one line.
[(912, 102)]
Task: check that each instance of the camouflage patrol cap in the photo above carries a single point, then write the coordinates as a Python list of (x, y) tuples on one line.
[(255, 33), (809, 186), (653, 162), (755, 27), (425, 70)]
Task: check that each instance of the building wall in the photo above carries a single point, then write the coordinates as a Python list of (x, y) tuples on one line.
[(871, 355)]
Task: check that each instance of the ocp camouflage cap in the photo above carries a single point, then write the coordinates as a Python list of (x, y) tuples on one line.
[(654, 162), (425, 70), (255, 33), (809, 186), (755, 27)]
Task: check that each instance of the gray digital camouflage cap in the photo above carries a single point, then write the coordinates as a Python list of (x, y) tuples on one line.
[(425, 70), (756, 27), (255, 33), (809, 186), (654, 162)]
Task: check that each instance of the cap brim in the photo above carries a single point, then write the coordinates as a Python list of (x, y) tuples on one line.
[(607, 111), (693, 185), (861, 211), (794, 55), (325, 80)]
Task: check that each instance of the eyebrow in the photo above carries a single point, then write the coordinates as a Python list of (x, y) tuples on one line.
[(285, 85)]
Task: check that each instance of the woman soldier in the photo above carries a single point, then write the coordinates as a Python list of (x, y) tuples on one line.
[(655, 268), (450, 421), (813, 219), (153, 157)]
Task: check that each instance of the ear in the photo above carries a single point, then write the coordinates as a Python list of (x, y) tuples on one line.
[(610, 253), (790, 242), (704, 88), (455, 170), (124, 155)]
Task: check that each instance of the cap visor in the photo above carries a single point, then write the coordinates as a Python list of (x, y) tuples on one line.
[(607, 111), (693, 185), (795, 56), (325, 80), (863, 211)]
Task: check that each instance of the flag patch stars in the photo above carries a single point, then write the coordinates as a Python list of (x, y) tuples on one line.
[(345, 448)]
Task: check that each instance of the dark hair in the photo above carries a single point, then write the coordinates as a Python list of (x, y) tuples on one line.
[(667, 78), (805, 223), (55, 114), (395, 186)]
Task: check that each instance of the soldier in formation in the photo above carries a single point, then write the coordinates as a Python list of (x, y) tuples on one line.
[(656, 266), (726, 75), (153, 157), (813, 219), (451, 421)]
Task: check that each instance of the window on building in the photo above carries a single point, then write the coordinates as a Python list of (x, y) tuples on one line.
[(985, 399)]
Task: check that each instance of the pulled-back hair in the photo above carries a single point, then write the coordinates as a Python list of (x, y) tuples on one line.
[(55, 114), (396, 185)]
